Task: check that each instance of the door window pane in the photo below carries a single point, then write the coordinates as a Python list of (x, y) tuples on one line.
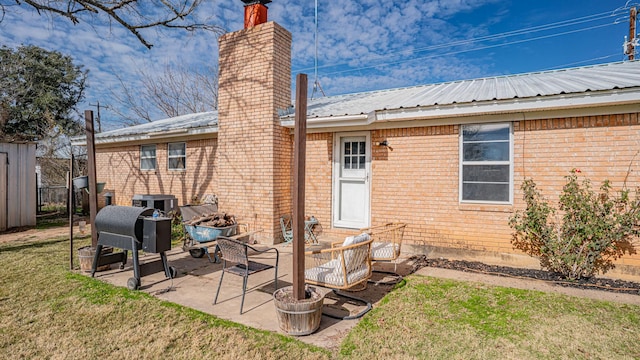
[(355, 155)]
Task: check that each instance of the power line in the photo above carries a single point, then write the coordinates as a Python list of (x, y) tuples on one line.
[(576, 63), (466, 51), (529, 30)]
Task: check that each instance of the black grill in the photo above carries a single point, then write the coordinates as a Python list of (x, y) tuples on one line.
[(132, 229)]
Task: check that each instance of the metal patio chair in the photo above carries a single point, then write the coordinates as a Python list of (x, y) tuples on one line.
[(237, 253), (286, 224)]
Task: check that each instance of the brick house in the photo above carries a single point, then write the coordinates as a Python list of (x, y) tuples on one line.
[(448, 159)]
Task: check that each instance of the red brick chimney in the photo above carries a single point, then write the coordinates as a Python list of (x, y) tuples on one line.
[(255, 12)]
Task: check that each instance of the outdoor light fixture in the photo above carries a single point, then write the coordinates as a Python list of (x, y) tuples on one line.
[(384, 143)]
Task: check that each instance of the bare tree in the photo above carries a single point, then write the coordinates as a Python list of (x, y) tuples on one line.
[(176, 91), (133, 15)]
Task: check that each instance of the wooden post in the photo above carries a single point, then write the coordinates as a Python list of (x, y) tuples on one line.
[(71, 210), (93, 188), (299, 157)]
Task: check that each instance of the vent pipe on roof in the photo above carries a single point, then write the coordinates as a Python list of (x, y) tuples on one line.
[(255, 12)]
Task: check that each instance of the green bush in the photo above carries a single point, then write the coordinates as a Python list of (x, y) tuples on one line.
[(584, 235)]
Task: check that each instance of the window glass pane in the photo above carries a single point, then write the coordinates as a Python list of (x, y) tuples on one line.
[(148, 164), (354, 147), (485, 192), (485, 132), (176, 163), (147, 157), (492, 151), (177, 149), (347, 162), (481, 144), (361, 163), (347, 148), (486, 173), (361, 148), (148, 151)]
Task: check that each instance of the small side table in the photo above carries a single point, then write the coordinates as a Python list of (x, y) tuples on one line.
[(308, 230)]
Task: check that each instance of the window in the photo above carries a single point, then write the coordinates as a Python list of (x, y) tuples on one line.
[(486, 163), (177, 156), (354, 155), (147, 157)]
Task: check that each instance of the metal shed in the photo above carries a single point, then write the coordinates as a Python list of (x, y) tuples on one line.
[(17, 185)]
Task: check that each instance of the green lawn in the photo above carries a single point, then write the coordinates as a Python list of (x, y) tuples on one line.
[(48, 312)]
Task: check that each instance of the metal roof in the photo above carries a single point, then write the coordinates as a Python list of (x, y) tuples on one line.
[(510, 93), (191, 124), (531, 85)]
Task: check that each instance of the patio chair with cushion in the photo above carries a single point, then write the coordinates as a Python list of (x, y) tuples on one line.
[(343, 266), (237, 253), (387, 243)]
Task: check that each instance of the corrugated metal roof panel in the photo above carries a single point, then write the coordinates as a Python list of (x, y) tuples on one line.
[(190, 121), (539, 84), (556, 82)]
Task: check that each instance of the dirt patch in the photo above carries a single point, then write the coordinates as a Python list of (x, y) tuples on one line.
[(24, 234), (593, 283)]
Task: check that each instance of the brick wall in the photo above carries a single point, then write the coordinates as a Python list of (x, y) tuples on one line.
[(417, 181), (254, 152), (119, 167)]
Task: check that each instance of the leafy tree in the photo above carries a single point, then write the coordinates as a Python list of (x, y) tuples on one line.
[(133, 15), (39, 90)]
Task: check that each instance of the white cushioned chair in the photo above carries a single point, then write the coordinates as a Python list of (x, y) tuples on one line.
[(343, 266)]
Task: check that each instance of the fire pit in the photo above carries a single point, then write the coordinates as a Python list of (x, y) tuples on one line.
[(132, 229)]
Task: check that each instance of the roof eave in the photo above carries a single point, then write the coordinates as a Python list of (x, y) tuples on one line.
[(157, 136), (332, 121), (515, 105)]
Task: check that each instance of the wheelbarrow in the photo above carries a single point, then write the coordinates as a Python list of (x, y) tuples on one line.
[(201, 237)]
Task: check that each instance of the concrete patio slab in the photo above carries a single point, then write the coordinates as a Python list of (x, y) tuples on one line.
[(197, 280)]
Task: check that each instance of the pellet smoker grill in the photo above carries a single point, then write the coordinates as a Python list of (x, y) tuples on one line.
[(133, 229)]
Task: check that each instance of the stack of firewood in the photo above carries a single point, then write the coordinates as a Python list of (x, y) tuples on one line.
[(219, 219)]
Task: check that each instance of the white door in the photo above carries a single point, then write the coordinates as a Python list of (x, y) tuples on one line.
[(351, 187)]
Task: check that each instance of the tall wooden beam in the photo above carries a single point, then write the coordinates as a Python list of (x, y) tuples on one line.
[(93, 189), (299, 150), (71, 209)]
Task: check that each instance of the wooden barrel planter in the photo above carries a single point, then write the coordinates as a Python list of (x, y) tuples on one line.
[(298, 317), (86, 255)]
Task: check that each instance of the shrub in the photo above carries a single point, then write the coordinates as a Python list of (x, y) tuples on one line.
[(584, 235)]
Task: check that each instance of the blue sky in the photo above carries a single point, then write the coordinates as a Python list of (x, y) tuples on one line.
[(362, 45)]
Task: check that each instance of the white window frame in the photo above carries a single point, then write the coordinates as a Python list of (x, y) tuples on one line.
[(154, 157), (505, 162), (184, 156)]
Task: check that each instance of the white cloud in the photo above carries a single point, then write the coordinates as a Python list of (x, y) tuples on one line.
[(362, 44)]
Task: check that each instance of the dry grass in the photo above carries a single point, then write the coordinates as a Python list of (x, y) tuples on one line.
[(48, 312), (444, 319)]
